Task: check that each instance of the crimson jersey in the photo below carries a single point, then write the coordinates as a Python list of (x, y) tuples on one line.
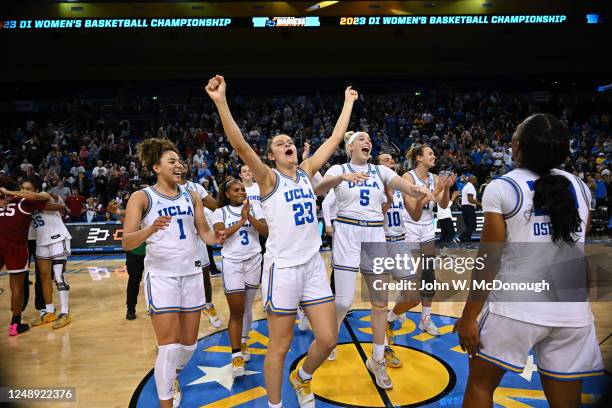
[(15, 220)]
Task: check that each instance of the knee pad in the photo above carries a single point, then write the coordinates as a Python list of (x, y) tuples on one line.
[(165, 370), (184, 355), (428, 276), (59, 267)]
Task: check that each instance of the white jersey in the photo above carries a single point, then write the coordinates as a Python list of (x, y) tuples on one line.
[(394, 225), (361, 201), (253, 194), (290, 210), (328, 208), (32, 233), (173, 251), (529, 253), (50, 227), (427, 215), (198, 188), (244, 243)]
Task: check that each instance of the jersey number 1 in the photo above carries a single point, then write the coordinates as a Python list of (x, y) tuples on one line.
[(181, 229)]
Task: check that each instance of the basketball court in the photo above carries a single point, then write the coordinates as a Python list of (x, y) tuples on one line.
[(110, 360)]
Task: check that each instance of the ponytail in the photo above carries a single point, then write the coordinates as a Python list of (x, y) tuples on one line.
[(544, 144), (553, 195)]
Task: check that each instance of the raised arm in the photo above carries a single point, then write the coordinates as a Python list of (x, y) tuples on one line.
[(261, 172), (325, 151), (28, 195)]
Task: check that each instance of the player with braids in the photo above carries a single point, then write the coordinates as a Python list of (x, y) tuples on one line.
[(544, 212)]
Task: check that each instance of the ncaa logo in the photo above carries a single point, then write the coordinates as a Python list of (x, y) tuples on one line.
[(434, 372), (97, 234)]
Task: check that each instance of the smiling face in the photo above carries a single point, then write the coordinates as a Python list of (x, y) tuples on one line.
[(427, 159), (360, 148), (245, 173), (387, 161), (282, 151), (236, 193), (169, 167)]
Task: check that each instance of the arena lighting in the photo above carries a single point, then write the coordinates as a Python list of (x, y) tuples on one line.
[(592, 18), (604, 88), (321, 4)]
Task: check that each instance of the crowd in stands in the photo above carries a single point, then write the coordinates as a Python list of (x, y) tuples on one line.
[(86, 155)]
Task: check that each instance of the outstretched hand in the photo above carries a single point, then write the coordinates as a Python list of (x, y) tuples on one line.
[(354, 177), (216, 88)]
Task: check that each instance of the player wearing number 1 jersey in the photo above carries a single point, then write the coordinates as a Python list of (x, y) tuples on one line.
[(294, 272), (241, 253), (170, 219)]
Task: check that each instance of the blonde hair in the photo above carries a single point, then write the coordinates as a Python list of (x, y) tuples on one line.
[(412, 155), (347, 140)]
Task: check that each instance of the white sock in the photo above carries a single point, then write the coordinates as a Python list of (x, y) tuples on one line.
[(391, 317), (236, 354), (378, 352), (279, 405), (184, 355), (426, 312), (64, 296), (304, 375), (50, 308), (62, 286), (247, 319), (244, 340), (42, 312), (165, 370)]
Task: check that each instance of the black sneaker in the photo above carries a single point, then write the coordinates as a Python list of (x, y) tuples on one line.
[(130, 315)]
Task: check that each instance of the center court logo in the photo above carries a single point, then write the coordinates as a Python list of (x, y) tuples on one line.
[(433, 375)]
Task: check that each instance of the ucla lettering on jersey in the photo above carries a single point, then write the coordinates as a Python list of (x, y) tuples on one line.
[(173, 251), (361, 203), (244, 243), (290, 210)]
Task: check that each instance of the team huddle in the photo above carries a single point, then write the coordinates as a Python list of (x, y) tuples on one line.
[(370, 202)]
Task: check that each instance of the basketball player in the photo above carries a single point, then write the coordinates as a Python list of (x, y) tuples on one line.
[(359, 199), (294, 272), (242, 224), (548, 208), (211, 204), (52, 251), (420, 231), (170, 219), (394, 235), (16, 208)]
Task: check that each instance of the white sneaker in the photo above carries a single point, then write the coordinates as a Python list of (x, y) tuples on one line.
[(332, 355), (427, 325), (303, 391), (213, 318), (246, 356), (379, 369), (178, 395), (238, 367)]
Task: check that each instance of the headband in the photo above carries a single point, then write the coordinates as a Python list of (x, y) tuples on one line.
[(354, 136)]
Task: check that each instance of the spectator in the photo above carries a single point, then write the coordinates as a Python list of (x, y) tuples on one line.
[(82, 184), (60, 190), (76, 206), (468, 208)]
